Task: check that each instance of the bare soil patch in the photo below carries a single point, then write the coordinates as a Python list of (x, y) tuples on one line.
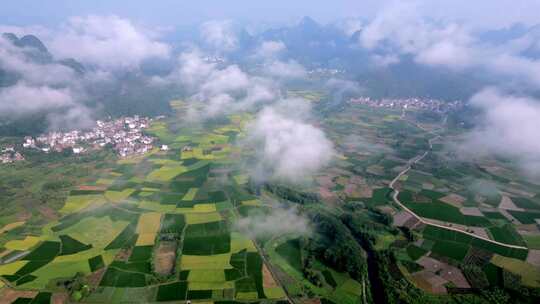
[(123, 255), (508, 204), (534, 257), (471, 211), (48, 213), (92, 188), (453, 199), (165, 257), (94, 278), (60, 298), (8, 295), (268, 279), (401, 218)]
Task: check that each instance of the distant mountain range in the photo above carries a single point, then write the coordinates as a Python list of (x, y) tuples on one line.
[(35, 52)]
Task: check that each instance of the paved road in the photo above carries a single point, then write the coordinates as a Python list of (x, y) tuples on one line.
[(395, 194)]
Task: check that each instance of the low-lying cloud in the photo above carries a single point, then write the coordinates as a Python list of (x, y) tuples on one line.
[(220, 35), (40, 87), (217, 89), (507, 127), (401, 29), (108, 42), (279, 221), (288, 148)]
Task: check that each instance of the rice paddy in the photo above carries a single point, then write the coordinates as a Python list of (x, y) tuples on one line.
[(123, 225)]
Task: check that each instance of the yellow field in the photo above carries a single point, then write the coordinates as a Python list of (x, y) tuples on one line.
[(206, 275), (247, 295), (79, 202), (118, 196), (190, 195), (56, 270), (218, 261), (11, 268), (11, 226), (254, 202), (210, 286), (27, 243), (241, 179), (530, 276), (108, 256), (274, 292), (240, 242), (146, 239), (105, 181), (204, 208), (166, 173), (201, 218), (155, 206), (149, 223), (98, 232)]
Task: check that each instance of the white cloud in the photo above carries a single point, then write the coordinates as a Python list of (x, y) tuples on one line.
[(107, 41), (230, 79), (217, 90), (61, 104), (288, 147), (41, 87), (270, 49), (401, 29), (508, 127), (14, 60), (350, 26), (285, 69), (220, 34), (385, 60), (279, 221), (22, 98)]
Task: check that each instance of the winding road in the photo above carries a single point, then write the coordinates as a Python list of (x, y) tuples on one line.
[(417, 159)]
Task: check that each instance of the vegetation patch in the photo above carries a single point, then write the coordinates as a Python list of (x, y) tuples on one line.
[(118, 196), (172, 292), (173, 223), (76, 203), (454, 250), (149, 223), (207, 245), (141, 253), (125, 238), (525, 217), (146, 239), (202, 218), (506, 234), (530, 276), (25, 244), (415, 252), (118, 278), (46, 251), (71, 245), (167, 173), (290, 251), (96, 263), (444, 212), (198, 262), (206, 275)]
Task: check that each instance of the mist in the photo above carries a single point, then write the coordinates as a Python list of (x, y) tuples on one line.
[(278, 221)]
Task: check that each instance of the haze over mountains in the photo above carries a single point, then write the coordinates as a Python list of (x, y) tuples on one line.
[(98, 66)]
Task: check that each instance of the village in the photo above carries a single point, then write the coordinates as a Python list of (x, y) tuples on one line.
[(428, 104), (9, 155), (124, 135)]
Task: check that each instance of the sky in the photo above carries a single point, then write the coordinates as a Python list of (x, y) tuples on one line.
[(481, 13)]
